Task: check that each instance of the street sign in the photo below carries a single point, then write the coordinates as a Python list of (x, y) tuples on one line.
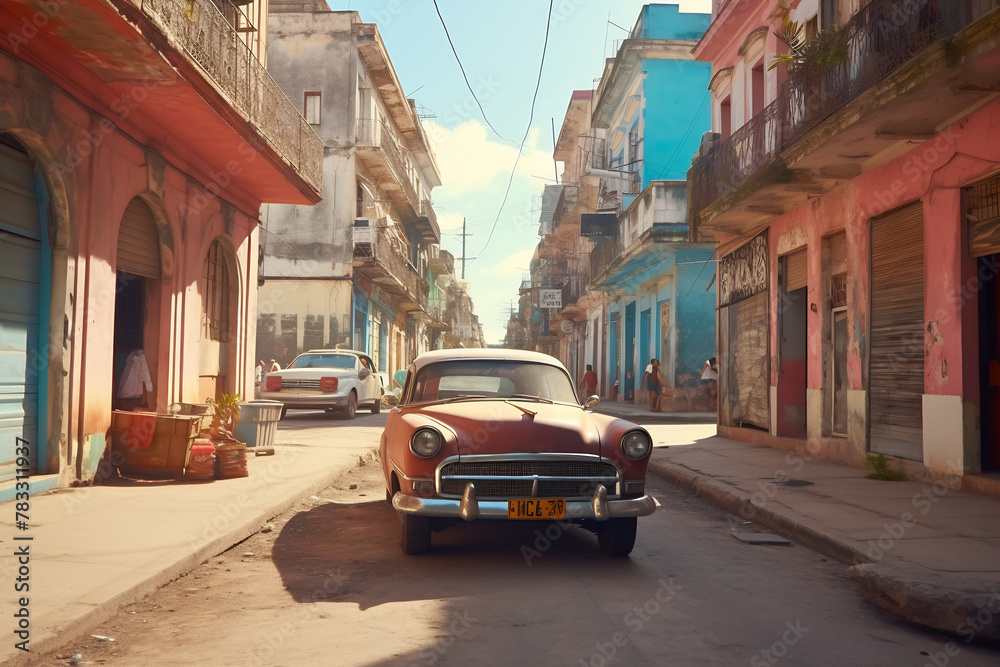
[(550, 298)]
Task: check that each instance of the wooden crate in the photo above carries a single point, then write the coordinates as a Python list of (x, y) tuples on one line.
[(170, 449)]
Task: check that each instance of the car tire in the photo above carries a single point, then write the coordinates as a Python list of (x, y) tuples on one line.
[(617, 536), (352, 405), (416, 534), (377, 405)]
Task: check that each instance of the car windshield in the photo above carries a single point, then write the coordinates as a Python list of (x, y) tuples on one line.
[(482, 378), (323, 361)]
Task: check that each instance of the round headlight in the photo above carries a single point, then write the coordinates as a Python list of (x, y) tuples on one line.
[(425, 442), (636, 444)]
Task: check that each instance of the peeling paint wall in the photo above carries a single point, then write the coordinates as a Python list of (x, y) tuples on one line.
[(92, 171)]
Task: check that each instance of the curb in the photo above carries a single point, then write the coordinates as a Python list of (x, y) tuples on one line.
[(943, 608), (657, 418), (107, 609)]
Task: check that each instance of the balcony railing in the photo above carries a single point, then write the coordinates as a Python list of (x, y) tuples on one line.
[(387, 256), (200, 29), (374, 134), (877, 40), (604, 255)]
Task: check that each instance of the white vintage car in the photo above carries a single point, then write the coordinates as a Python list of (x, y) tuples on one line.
[(334, 380)]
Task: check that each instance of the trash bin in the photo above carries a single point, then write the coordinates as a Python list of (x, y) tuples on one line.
[(202, 410), (258, 422)]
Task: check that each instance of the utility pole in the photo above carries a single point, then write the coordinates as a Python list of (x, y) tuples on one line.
[(464, 234)]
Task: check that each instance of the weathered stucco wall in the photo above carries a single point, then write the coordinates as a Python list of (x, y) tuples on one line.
[(92, 171), (933, 173)]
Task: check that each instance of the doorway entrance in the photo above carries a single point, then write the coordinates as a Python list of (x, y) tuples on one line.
[(24, 302), (989, 361), (792, 347), (136, 330)]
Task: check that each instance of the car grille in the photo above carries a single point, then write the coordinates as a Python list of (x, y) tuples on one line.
[(515, 479), (287, 383)]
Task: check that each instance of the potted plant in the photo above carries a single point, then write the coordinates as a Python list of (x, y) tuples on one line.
[(230, 454)]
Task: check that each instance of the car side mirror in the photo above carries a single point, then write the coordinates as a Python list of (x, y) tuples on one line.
[(390, 399), (363, 374), (591, 402)]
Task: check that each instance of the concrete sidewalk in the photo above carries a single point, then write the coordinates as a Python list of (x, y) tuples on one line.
[(95, 549), (645, 415), (927, 553)]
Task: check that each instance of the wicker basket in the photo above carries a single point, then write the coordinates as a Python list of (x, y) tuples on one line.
[(167, 454)]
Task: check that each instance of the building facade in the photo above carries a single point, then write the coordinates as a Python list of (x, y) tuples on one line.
[(134, 159), (649, 112), (857, 229), (352, 271)]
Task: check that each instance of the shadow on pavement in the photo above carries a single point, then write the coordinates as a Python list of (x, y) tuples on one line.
[(351, 553)]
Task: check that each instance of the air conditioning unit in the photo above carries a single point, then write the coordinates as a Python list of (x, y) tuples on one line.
[(364, 231)]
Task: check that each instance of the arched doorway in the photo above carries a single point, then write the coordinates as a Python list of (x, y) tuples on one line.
[(220, 296), (137, 293), (25, 258)]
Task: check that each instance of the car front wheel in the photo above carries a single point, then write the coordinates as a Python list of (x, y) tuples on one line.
[(617, 536), (377, 405), (416, 534)]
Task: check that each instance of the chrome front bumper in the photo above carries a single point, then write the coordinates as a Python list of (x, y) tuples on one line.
[(598, 508)]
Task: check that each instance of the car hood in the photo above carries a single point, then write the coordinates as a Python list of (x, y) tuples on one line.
[(315, 373), (501, 427)]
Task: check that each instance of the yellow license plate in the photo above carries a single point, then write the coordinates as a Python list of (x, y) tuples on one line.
[(537, 508)]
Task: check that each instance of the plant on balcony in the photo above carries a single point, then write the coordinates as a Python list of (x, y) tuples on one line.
[(828, 48)]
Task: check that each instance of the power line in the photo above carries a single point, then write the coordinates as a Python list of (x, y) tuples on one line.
[(531, 115), (459, 61)]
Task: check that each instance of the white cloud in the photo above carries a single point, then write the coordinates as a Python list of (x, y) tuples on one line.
[(515, 265), (448, 220), (471, 161)]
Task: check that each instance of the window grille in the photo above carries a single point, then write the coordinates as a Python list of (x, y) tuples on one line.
[(215, 273)]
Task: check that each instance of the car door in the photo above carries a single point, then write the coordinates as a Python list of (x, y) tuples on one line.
[(371, 383)]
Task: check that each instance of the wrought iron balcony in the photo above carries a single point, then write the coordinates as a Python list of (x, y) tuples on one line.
[(877, 41), (603, 256), (426, 224), (199, 29), (378, 151), (386, 263)]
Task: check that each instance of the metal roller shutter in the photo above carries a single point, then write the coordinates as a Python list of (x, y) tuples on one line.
[(138, 243), (896, 357), (20, 276), (796, 274)]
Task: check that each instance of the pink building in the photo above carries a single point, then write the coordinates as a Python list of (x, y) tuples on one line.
[(138, 140), (854, 194)]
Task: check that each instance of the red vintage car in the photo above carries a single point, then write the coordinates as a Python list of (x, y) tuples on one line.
[(500, 434)]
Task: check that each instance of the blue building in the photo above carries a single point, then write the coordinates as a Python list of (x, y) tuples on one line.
[(649, 113)]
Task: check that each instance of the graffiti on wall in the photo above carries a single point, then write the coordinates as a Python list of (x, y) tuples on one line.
[(743, 272)]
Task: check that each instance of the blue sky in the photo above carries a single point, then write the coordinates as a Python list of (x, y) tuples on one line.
[(500, 44)]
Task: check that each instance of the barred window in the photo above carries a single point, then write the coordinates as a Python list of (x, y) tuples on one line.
[(218, 287)]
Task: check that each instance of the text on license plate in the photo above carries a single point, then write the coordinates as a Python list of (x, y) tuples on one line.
[(537, 508)]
